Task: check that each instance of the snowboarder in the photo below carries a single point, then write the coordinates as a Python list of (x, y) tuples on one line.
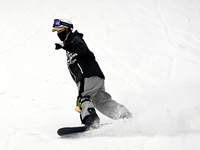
[(88, 76)]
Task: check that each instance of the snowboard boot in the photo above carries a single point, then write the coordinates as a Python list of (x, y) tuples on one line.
[(92, 120)]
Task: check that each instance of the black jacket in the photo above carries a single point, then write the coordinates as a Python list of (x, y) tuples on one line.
[(80, 60)]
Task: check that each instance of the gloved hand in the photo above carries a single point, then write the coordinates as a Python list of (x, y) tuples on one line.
[(58, 46)]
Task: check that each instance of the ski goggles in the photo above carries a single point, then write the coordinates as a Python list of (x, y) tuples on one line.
[(58, 23)]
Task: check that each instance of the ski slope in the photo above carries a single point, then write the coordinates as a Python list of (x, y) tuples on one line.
[(149, 52)]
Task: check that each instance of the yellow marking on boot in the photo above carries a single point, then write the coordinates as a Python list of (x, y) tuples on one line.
[(78, 109)]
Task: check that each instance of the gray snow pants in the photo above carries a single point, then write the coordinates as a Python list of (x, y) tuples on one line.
[(101, 100)]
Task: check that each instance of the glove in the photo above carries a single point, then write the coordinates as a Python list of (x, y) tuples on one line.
[(58, 46)]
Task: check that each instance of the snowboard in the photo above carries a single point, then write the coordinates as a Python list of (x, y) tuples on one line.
[(79, 129), (72, 130)]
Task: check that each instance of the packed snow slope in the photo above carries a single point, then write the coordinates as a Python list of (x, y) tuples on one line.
[(149, 52)]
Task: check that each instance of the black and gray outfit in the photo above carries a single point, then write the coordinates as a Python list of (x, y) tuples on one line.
[(89, 78), (86, 72)]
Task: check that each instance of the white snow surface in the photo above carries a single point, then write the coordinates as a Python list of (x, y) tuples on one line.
[(149, 52)]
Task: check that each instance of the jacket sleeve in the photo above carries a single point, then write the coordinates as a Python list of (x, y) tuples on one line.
[(77, 45)]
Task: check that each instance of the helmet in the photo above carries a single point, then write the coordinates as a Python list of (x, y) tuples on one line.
[(61, 23)]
